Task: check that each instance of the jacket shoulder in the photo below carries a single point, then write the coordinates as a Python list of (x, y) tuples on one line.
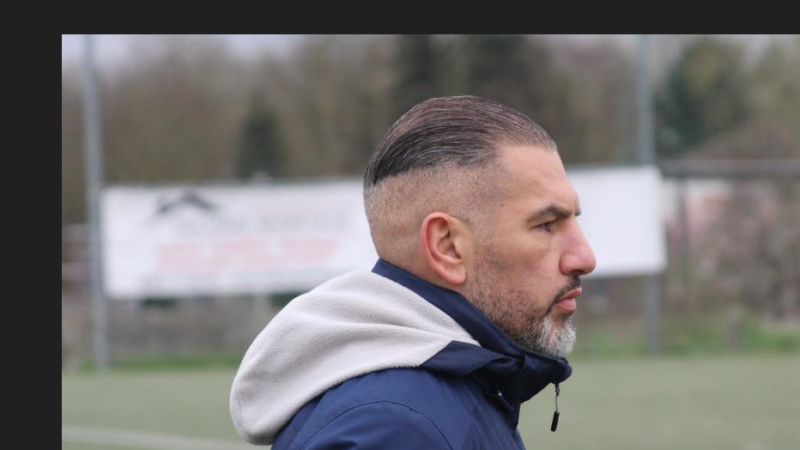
[(396, 407), (378, 425)]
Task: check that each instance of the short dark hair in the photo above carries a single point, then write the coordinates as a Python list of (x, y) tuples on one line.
[(461, 131)]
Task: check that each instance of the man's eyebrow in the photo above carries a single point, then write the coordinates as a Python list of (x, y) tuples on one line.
[(552, 210)]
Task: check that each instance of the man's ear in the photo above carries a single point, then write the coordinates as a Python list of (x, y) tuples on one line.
[(446, 244)]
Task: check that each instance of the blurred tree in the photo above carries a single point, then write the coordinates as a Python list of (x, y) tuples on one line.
[(417, 72), (259, 150), (322, 87), (173, 112), (375, 109), (772, 94), (597, 100), (511, 69), (704, 94), (522, 72), (776, 80), (453, 72), (336, 92)]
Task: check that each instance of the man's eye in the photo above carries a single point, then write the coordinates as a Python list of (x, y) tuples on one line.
[(547, 225)]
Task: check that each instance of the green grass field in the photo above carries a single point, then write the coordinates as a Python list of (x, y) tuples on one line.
[(732, 402)]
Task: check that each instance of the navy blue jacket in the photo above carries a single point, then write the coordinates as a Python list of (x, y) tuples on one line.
[(464, 397)]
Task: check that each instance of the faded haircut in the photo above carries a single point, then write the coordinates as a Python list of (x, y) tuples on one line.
[(436, 157)]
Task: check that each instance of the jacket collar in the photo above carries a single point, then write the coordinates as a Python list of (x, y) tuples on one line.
[(517, 373)]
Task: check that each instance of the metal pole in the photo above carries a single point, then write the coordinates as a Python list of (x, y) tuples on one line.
[(685, 242), (646, 155), (644, 106), (94, 181)]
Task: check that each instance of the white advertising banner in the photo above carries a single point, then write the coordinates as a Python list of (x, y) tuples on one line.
[(263, 238), (623, 219), (216, 240)]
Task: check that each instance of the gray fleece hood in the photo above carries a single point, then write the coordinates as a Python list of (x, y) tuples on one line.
[(358, 323)]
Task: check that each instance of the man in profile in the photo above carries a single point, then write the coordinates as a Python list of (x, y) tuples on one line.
[(466, 314)]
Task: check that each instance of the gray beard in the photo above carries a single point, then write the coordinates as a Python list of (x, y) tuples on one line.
[(554, 337)]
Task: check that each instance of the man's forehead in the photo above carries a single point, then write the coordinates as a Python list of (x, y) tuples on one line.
[(533, 172)]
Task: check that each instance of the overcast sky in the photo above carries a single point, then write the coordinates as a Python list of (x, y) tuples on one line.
[(113, 48)]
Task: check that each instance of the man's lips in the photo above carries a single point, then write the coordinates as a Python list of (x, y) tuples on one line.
[(567, 303)]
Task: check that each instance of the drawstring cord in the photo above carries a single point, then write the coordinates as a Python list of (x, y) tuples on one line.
[(554, 425)]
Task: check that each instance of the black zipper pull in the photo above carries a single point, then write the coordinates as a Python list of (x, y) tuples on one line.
[(554, 425)]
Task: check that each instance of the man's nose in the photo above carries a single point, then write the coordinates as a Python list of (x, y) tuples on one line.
[(578, 257)]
